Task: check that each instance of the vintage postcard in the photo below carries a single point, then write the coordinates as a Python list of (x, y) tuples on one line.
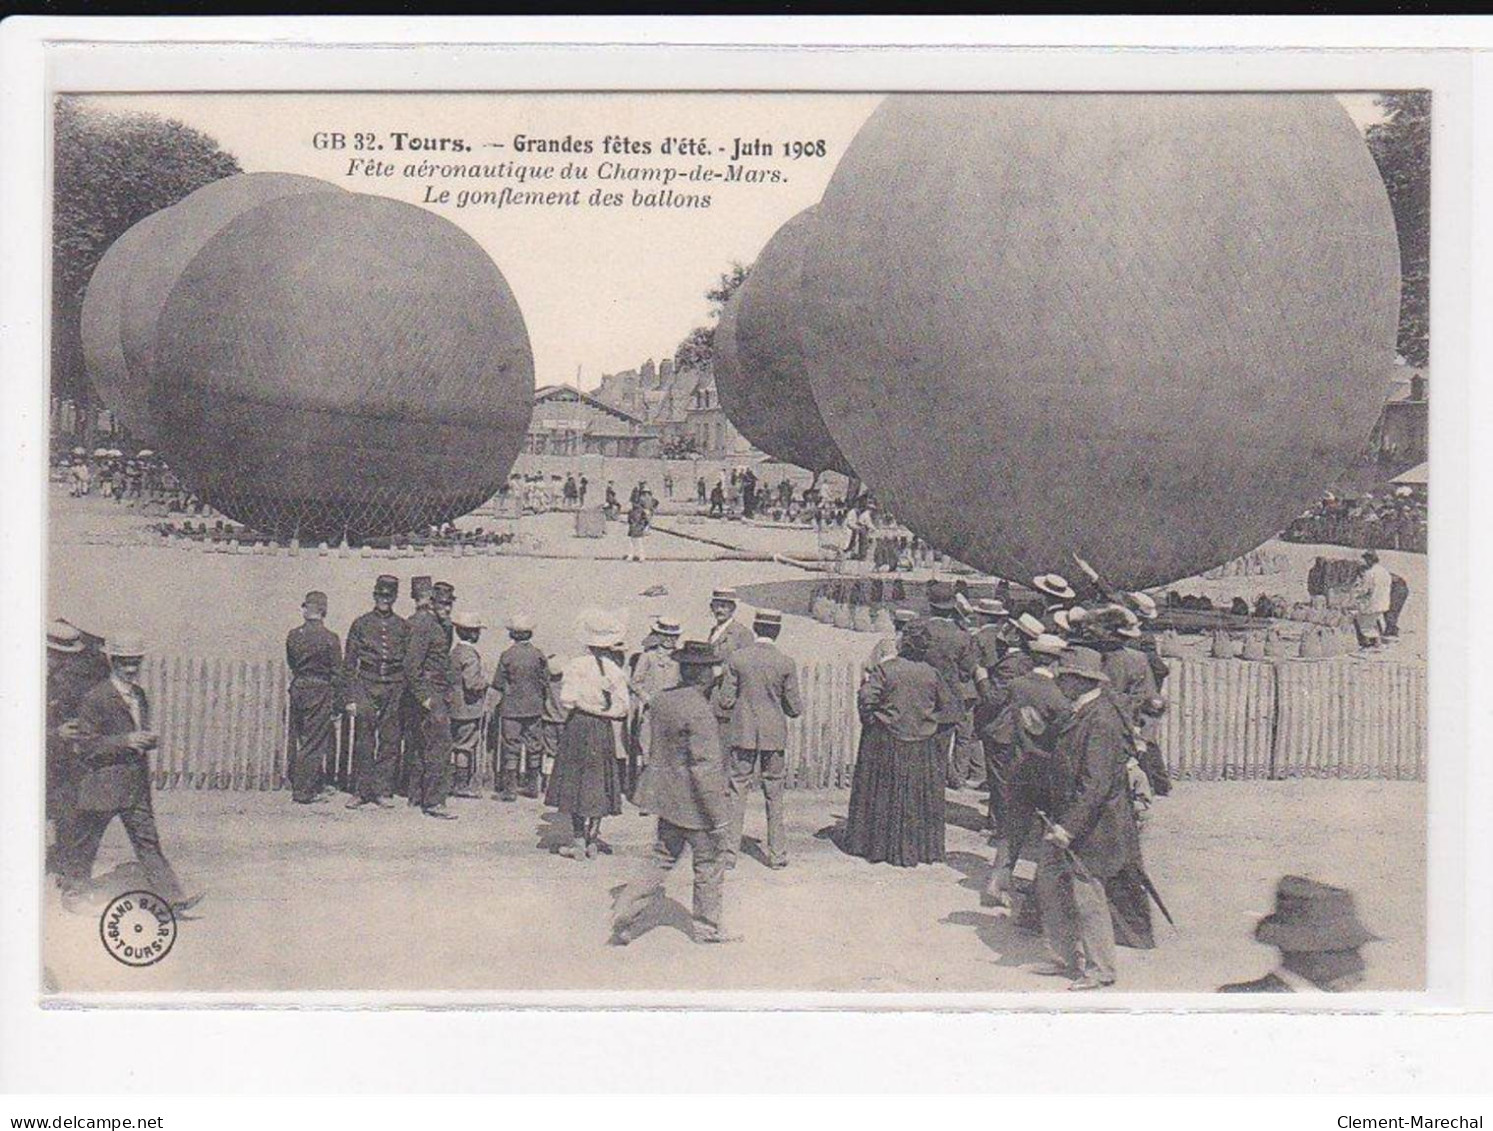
[(884, 545)]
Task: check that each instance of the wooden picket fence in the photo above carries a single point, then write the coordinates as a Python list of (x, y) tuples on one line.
[(224, 725)]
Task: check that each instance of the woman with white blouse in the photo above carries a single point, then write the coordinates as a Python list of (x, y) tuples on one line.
[(594, 694)]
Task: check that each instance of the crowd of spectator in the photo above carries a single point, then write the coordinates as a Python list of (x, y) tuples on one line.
[(1394, 521)]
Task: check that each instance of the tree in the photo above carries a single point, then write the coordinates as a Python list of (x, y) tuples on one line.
[(1401, 146), (109, 172), (698, 346)]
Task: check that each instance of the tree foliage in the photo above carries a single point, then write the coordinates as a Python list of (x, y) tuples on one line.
[(698, 347), (109, 172), (1401, 146)]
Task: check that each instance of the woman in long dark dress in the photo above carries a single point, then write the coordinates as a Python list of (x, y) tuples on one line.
[(585, 784), (897, 793)]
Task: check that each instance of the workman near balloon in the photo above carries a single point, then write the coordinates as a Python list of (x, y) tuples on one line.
[(952, 651), (373, 674), (520, 685), (429, 677), (314, 655), (1092, 835)]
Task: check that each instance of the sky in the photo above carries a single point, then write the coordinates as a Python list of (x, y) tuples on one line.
[(602, 289)]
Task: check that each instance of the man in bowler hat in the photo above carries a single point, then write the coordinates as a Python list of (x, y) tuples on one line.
[(684, 783), (1316, 929), (373, 668), (314, 655)]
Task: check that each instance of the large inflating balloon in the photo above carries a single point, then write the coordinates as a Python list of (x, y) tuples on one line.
[(102, 331), (333, 363), (1145, 328), (760, 373), (182, 231), (130, 284)]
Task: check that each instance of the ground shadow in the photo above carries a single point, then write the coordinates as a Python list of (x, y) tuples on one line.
[(663, 911), (554, 830), (1012, 946), (974, 869)]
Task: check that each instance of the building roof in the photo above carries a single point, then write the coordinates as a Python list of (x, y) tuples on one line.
[(548, 393)]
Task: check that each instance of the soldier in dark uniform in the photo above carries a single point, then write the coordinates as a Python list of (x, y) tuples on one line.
[(314, 655), (428, 675), (952, 651), (373, 667), (413, 754), (1317, 931)]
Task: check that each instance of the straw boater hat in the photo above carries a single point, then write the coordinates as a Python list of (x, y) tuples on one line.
[(1047, 645), (468, 618), (1054, 585), (1083, 662), (991, 607), (124, 645), (1144, 605), (904, 616), (724, 594), (521, 622), (1030, 626), (63, 637), (601, 629), (770, 617), (1310, 917), (1060, 618), (665, 626)]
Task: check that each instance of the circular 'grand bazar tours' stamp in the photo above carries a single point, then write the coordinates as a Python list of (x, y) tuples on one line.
[(138, 928)]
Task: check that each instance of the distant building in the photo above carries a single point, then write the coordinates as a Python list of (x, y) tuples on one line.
[(568, 422), (1400, 438), (676, 404)]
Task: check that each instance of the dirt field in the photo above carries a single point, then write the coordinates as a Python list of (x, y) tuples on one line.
[(107, 571), (324, 898), (327, 899)]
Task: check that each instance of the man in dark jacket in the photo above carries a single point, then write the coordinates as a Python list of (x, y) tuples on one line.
[(758, 694), (520, 684), (113, 744), (952, 651), (1093, 836), (314, 655), (72, 669), (684, 783), (427, 673), (373, 670)]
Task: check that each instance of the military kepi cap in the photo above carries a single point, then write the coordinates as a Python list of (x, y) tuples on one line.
[(386, 586), (443, 591), (420, 587), (316, 600)]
